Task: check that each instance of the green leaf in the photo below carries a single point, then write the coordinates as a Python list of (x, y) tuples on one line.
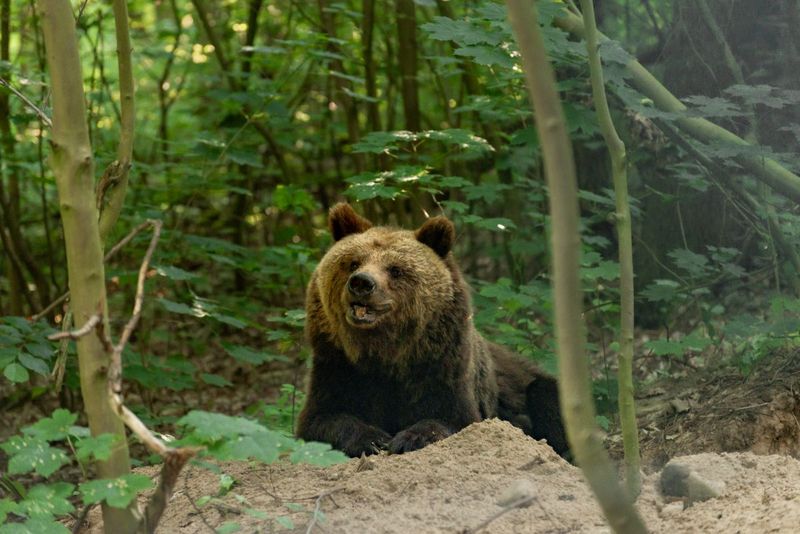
[(9, 335), (34, 364), (53, 428), (47, 500), (8, 355), (229, 320), (178, 307), (35, 525), (605, 270), (265, 446), (19, 323), (226, 482), (713, 107), (692, 263), (661, 291), (285, 522), (117, 492), (40, 350), (16, 373), (486, 55), (32, 454), (320, 454), (215, 380), (174, 273), (228, 527), (248, 355), (462, 32), (97, 447), (602, 421), (258, 514), (7, 506), (210, 427)]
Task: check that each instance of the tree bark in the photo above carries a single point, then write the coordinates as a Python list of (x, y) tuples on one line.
[(118, 171), (367, 32), (407, 59), (340, 97), (73, 168), (574, 379), (13, 272)]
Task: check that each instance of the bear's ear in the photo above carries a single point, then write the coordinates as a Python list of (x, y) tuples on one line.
[(438, 233), (343, 221)]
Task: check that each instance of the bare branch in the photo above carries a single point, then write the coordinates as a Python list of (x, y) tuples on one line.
[(174, 461), (318, 506), (115, 366), (90, 325), (28, 102), (110, 254)]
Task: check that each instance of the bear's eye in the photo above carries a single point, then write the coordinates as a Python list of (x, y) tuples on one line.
[(395, 271), (353, 266)]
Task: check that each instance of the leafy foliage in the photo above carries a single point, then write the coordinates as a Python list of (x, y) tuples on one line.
[(24, 347)]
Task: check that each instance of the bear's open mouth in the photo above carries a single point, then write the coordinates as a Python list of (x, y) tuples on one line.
[(360, 314)]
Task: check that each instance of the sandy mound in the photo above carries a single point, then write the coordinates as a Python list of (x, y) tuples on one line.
[(456, 485)]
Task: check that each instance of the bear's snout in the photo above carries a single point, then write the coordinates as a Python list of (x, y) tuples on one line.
[(361, 284)]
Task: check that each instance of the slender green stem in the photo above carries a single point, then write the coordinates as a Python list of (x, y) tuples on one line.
[(574, 379), (619, 171)]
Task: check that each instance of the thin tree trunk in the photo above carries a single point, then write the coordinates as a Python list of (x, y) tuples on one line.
[(73, 168), (113, 191), (367, 32), (340, 84), (13, 273), (619, 170), (574, 378), (407, 58)]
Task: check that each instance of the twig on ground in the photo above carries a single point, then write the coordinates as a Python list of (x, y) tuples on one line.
[(318, 506), (174, 460), (194, 505), (519, 503), (81, 518)]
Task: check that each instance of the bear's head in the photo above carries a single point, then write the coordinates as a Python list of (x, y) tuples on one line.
[(380, 285)]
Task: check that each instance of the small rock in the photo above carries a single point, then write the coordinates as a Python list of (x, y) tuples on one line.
[(679, 405), (673, 479), (702, 489), (518, 491), (679, 480), (672, 508)]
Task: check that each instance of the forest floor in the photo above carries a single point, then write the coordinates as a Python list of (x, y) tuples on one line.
[(471, 481)]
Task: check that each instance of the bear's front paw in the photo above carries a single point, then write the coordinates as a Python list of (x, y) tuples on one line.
[(368, 440), (418, 435)]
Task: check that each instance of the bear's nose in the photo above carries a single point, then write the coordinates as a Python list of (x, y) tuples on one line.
[(361, 284)]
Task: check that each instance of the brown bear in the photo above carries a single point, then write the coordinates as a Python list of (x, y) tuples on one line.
[(398, 363)]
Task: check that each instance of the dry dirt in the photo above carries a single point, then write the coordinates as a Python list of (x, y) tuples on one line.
[(456, 485)]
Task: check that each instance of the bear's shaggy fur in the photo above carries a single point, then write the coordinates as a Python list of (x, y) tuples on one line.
[(397, 362)]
